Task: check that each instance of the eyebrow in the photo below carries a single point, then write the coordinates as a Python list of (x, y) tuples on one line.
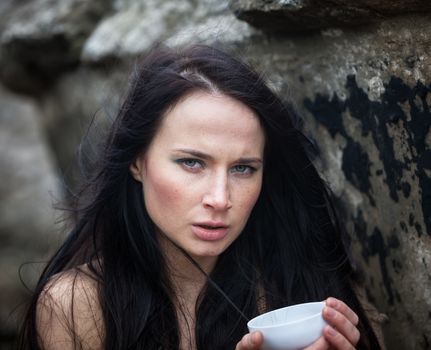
[(198, 154)]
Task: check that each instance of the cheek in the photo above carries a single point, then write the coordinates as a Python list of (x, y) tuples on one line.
[(248, 198), (161, 192)]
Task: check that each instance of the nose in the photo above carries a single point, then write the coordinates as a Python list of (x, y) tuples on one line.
[(217, 196)]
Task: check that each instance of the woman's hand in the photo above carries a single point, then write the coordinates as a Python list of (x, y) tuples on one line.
[(341, 332), (250, 341)]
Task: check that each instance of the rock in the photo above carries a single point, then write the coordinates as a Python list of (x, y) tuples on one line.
[(134, 28), (222, 28), (28, 189), (81, 103), (304, 15), (136, 25), (212, 22), (42, 38), (364, 90), (6, 9), (366, 97)]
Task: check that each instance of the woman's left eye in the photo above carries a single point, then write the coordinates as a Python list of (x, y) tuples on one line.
[(243, 169)]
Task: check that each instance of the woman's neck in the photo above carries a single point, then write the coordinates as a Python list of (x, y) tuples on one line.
[(181, 269), (187, 280)]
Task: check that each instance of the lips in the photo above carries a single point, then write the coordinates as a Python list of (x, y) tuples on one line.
[(210, 231)]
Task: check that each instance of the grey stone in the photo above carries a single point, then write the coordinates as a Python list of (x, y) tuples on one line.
[(222, 28), (304, 15), (134, 28), (136, 25), (28, 189), (363, 90), (6, 9), (365, 94), (42, 38), (76, 112)]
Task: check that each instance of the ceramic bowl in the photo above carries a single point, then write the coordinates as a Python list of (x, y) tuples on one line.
[(290, 328)]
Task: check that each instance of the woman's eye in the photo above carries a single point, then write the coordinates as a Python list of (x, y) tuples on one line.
[(190, 163), (243, 169)]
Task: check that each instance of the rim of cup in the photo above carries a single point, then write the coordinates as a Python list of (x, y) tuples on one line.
[(255, 319)]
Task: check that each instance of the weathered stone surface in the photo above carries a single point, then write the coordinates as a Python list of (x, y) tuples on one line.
[(366, 95), (133, 28), (42, 38), (6, 8), (222, 28), (303, 15), (28, 188), (77, 101), (136, 25)]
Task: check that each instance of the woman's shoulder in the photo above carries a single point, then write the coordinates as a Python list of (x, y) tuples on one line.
[(68, 311)]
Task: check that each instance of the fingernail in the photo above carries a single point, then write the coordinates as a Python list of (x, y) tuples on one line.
[(331, 302), (329, 312), (332, 332)]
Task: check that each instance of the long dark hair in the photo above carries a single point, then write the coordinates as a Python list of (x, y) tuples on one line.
[(291, 250)]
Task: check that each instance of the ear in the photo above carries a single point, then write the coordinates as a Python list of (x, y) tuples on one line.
[(137, 168)]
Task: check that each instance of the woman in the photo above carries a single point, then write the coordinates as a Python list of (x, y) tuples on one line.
[(205, 211)]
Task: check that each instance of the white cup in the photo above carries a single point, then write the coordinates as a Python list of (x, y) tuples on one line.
[(290, 328)]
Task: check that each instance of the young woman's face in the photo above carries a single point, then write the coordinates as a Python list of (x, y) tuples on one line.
[(202, 173)]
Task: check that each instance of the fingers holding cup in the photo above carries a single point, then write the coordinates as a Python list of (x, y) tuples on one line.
[(342, 331), (250, 341), (344, 309)]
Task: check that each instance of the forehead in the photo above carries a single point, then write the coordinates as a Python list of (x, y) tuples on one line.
[(211, 121)]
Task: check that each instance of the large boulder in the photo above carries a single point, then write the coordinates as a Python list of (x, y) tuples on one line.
[(28, 191), (366, 97), (358, 71), (75, 114), (39, 39), (135, 26), (304, 15)]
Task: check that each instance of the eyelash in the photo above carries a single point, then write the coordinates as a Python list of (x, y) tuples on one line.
[(183, 161)]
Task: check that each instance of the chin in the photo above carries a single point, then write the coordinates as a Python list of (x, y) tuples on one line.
[(207, 253)]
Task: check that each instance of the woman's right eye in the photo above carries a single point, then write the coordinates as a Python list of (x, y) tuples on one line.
[(190, 163)]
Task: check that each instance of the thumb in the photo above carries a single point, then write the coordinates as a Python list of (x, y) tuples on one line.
[(256, 340)]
